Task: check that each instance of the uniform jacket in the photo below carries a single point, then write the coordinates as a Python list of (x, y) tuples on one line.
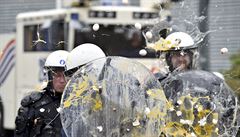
[(38, 115)]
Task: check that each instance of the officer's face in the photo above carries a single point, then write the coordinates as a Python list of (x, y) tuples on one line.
[(180, 60), (59, 81)]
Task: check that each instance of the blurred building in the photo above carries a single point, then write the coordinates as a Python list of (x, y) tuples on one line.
[(10, 8)]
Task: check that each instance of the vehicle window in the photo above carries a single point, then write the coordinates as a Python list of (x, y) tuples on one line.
[(45, 37), (114, 40)]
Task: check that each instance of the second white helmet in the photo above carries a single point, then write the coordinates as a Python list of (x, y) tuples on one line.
[(83, 54), (182, 39), (185, 45)]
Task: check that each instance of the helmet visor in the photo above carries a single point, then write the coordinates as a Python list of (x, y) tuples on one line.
[(69, 73)]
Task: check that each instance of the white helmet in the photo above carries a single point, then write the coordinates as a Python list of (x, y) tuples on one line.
[(56, 59), (83, 54), (182, 39)]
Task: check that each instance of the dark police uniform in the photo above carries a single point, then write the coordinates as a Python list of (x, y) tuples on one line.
[(38, 115)]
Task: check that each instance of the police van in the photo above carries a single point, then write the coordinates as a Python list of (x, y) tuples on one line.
[(117, 30)]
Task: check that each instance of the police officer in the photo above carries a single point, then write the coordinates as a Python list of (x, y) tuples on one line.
[(180, 54), (38, 115), (185, 55), (80, 56)]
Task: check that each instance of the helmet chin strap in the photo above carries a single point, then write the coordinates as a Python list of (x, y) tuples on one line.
[(50, 83), (55, 93), (182, 67), (52, 91)]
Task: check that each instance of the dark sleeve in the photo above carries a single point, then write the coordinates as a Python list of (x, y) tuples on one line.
[(25, 116), (23, 122)]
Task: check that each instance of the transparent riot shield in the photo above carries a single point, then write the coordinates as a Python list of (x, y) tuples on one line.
[(200, 104), (113, 97)]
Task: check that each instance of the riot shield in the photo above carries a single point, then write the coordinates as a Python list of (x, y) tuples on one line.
[(200, 104), (113, 97)]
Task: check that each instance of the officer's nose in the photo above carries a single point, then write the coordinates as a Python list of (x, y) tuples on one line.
[(62, 79)]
